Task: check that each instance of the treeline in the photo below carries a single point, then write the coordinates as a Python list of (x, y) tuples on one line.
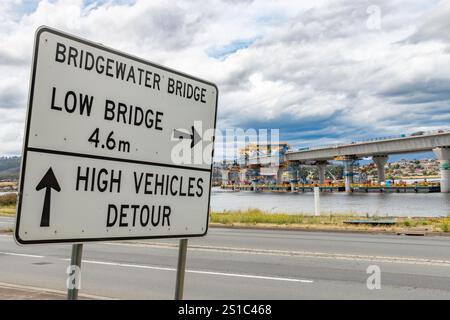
[(8, 199)]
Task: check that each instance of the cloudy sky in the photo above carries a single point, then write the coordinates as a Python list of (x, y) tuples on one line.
[(320, 71)]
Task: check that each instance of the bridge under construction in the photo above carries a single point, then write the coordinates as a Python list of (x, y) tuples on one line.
[(277, 160)]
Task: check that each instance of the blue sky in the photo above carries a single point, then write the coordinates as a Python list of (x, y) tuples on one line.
[(228, 49), (321, 72)]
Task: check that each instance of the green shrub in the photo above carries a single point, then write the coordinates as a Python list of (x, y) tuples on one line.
[(445, 226), (255, 216)]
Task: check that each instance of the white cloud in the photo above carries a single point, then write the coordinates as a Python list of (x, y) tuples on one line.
[(312, 69)]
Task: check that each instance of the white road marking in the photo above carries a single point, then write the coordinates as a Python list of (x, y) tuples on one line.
[(21, 254), (303, 254), (250, 276), (224, 274)]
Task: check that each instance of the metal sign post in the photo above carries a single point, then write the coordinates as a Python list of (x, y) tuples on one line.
[(317, 201), (181, 268), (75, 271)]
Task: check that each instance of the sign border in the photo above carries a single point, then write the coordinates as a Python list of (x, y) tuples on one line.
[(26, 149)]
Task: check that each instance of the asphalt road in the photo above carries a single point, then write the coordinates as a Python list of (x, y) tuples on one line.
[(244, 264), (6, 222)]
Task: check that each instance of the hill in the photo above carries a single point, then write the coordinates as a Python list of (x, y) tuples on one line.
[(9, 168)]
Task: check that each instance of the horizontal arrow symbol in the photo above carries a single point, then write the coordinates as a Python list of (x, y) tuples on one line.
[(181, 135), (194, 136)]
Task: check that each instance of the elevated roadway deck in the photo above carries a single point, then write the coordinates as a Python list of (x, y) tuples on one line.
[(408, 144)]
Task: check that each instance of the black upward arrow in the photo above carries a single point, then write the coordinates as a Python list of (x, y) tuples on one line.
[(195, 137), (48, 182)]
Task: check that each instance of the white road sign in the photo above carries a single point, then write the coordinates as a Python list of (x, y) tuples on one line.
[(115, 147)]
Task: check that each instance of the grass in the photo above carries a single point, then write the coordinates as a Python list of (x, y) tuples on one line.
[(8, 204), (8, 207), (8, 199), (257, 216), (445, 226), (9, 211), (253, 217), (260, 218)]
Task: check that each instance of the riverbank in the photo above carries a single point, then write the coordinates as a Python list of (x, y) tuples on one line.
[(372, 204), (255, 218), (8, 211)]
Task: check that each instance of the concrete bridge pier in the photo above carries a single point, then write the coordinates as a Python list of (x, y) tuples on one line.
[(280, 171), (293, 179), (254, 186), (322, 166), (294, 175), (443, 155), (380, 161), (242, 175), (292, 184), (225, 176), (348, 174)]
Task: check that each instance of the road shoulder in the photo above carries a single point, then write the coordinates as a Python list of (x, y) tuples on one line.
[(9, 291)]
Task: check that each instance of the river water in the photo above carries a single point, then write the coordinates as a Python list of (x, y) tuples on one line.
[(374, 204)]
